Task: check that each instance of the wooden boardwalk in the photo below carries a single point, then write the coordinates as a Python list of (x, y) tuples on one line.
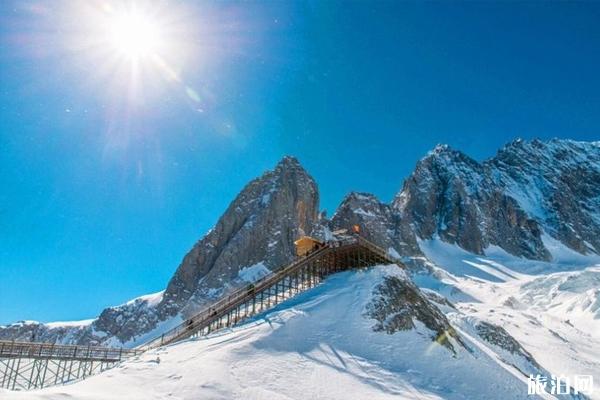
[(34, 365), (286, 282)]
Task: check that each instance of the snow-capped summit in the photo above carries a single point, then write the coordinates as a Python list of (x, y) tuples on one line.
[(558, 184), (452, 196)]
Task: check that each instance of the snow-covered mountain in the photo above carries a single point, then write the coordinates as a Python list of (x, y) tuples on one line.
[(254, 235), (558, 184), (504, 254), (528, 189), (456, 198), (327, 343)]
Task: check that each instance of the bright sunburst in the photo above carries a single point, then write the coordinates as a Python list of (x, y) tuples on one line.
[(134, 34), (137, 49), (137, 57)]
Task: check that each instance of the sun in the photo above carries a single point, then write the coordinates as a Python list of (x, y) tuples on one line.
[(136, 52), (134, 35)]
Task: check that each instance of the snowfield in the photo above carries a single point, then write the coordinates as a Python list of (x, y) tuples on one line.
[(552, 309), (319, 345)]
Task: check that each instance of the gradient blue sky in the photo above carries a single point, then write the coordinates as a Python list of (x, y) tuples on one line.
[(102, 194)]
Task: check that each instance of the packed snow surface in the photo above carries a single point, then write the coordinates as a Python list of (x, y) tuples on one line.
[(318, 345)]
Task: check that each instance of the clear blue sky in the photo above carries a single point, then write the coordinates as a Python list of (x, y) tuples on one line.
[(105, 186)]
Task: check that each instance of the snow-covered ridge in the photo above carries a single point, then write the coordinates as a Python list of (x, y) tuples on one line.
[(81, 323), (151, 299)]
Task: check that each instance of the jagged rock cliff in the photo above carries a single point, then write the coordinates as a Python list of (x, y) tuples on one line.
[(454, 197), (558, 184), (378, 221), (511, 200), (258, 228)]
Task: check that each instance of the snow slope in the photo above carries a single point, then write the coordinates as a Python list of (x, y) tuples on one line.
[(319, 345), (551, 308)]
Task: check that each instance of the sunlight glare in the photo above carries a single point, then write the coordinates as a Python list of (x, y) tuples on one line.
[(134, 35), (136, 53)]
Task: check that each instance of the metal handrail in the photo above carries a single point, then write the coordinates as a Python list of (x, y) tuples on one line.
[(9, 349), (217, 309)]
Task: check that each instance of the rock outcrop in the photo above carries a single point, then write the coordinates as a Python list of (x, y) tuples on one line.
[(498, 336), (397, 304), (378, 221), (558, 183)]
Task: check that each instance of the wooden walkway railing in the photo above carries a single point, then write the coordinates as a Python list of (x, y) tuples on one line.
[(283, 283)]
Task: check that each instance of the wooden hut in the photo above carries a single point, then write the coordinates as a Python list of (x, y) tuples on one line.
[(306, 244)]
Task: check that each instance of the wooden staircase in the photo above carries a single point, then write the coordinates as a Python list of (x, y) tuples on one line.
[(282, 284)]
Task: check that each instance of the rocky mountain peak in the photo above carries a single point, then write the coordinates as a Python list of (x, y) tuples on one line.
[(359, 199), (444, 156), (288, 162), (378, 222), (254, 235), (544, 154), (557, 182), (360, 208), (527, 189), (453, 197), (257, 229)]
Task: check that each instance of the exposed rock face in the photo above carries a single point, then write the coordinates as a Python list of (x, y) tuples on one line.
[(452, 196), (259, 226), (125, 322), (378, 223), (397, 303), (558, 183), (510, 200), (498, 336)]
